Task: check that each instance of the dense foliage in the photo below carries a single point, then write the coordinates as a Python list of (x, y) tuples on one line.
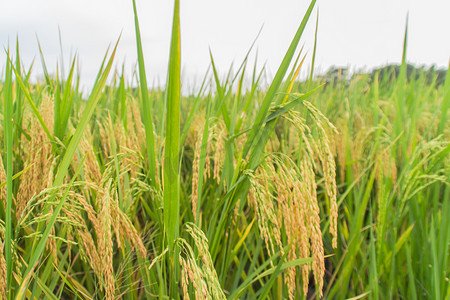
[(331, 187)]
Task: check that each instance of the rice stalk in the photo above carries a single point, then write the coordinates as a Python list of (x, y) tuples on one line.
[(105, 244), (195, 175), (198, 269), (40, 159)]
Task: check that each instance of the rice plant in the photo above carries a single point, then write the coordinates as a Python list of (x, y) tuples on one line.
[(325, 188)]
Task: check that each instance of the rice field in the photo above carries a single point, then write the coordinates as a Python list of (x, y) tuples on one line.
[(331, 188)]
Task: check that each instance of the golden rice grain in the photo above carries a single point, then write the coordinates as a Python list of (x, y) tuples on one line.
[(199, 269), (2, 181), (195, 175), (2, 272), (105, 245), (219, 151)]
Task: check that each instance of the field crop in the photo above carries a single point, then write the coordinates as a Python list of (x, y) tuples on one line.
[(332, 187)]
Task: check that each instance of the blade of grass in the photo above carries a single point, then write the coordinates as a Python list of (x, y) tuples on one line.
[(277, 81), (44, 65), (8, 125), (314, 51), (171, 150), (146, 105), (16, 175), (435, 266)]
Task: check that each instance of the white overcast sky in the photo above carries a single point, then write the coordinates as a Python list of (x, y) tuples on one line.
[(354, 33)]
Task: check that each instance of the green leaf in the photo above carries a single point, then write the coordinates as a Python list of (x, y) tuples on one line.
[(146, 104), (171, 150), (8, 127), (277, 81)]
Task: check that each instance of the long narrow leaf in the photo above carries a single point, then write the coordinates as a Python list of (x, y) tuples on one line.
[(8, 125), (270, 95), (146, 105), (171, 151)]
